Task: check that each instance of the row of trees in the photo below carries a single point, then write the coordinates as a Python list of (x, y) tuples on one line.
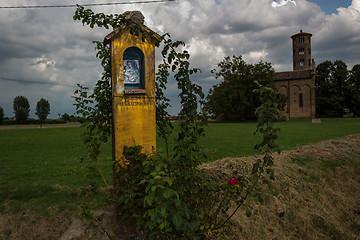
[(21, 108), (337, 89), (71, 118)]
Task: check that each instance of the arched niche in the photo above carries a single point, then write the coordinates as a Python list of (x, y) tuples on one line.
[(134, 68), (282, 90)]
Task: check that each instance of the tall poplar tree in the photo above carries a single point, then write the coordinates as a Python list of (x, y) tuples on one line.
[(42, 110), (21, 109)]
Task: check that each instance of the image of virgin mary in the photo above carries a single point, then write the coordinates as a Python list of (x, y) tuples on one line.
[(131, 71)]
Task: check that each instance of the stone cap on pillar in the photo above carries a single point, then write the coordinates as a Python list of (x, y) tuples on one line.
[(301, 33), (133, 18)]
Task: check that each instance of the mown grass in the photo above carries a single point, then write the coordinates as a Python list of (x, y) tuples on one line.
[(41, 168), (238, 139)]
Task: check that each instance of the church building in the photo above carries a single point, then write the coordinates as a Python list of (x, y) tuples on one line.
[(299, 85)]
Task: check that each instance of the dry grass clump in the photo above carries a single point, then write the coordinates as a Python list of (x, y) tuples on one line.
[(316, 194)]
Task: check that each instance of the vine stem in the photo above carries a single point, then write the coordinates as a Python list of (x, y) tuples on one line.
[(242, 200), (103, 228)]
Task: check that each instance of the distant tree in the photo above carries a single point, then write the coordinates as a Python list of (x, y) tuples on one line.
[(1, 115), (66, 117), (333, 89), (234, 99), (355, 76), (42, 110), (355, 89), (21, 109)]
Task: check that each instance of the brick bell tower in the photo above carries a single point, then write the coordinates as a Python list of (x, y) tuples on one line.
[(299, 85), (302, 52)]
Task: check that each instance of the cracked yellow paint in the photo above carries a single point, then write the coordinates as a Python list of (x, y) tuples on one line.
[(133, 114)]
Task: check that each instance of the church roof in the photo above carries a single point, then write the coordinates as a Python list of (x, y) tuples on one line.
[(301, 33), (292, 75)]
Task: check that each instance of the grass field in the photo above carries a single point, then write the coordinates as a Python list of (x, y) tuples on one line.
[(238, 139), (41, 168), (33, 161)]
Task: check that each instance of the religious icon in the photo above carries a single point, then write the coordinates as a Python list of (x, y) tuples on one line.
[(131, 71)]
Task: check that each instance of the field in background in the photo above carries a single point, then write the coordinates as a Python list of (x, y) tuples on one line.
[(238, 139)]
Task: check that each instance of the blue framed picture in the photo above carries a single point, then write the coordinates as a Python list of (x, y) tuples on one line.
[(131, 71)]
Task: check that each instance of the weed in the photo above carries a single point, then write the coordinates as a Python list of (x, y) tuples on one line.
[(291, 215), (327, 229), (314, 177), (7, 232), (302, 161), (333, 164), (356, 227)]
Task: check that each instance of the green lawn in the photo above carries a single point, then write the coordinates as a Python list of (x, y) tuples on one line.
[(238, 139), (41, 168)]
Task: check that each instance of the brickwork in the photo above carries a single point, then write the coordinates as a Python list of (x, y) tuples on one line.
[(300, 93), (301, 51), (299, 85)]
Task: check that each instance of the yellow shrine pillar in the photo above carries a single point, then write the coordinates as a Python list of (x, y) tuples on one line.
[(133, 86)]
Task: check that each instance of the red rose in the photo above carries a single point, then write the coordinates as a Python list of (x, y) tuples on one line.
[(233, 181)]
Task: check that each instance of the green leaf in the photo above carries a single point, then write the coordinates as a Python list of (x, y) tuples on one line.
[(248, 212), (169, 181), (177, 220), (163, 211), (167, 193), (162, 225)]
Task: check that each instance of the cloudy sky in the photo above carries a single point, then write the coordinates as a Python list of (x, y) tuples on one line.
[(44, 53)]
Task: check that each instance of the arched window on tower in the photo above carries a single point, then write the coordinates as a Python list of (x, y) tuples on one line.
[(301, 100), (302, 62)]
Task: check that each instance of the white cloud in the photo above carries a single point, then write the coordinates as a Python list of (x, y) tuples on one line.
[(43, 63), (282, 3), (256, 56), (338, 36), (203, 49)]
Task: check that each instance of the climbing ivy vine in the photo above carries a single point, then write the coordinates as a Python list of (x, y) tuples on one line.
[(168, 196)]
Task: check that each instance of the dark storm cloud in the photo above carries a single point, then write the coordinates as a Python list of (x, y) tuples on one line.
[(47, 45)]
